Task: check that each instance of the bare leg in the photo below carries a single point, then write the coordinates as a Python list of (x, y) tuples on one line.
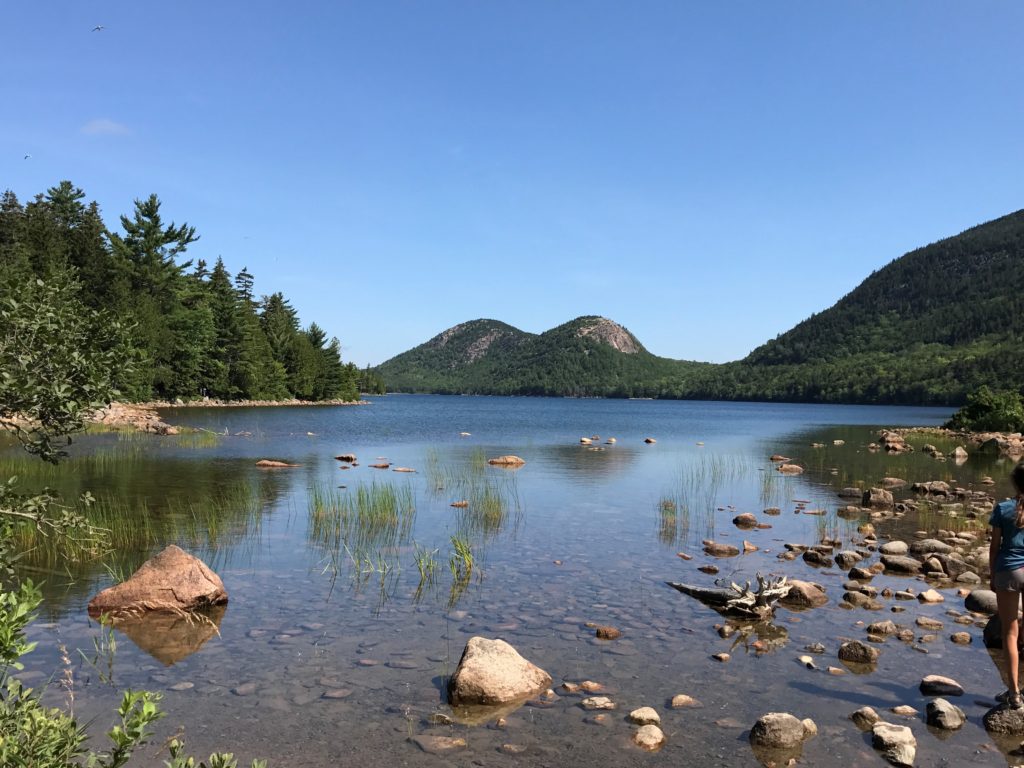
[(1009, 604)]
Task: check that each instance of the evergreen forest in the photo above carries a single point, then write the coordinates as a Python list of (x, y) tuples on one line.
[(193, 330)]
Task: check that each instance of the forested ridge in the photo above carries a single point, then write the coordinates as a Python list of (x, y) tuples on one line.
[(928, 328), (193, 328), (491, 357)]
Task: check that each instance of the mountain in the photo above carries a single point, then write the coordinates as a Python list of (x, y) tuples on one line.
[(927, 328), (586, 357)]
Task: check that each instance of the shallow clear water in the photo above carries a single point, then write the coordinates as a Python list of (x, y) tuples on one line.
[(575, 536)]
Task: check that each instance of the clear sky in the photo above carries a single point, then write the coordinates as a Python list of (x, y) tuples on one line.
[(707, 174)]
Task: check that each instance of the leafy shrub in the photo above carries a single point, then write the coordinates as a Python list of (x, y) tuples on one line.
[(990, 411)]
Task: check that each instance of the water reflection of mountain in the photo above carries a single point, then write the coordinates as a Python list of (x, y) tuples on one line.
[(589, 460)]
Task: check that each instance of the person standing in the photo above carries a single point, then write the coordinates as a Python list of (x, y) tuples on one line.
[(1006, 569)]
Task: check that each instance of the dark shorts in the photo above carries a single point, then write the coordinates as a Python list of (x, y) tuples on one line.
[(1009, 581)]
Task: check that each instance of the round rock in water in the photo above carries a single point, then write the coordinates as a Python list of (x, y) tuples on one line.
[(864, 718), (645, 716), (804, 594), (858, 653), (172, 580), (945, 715), (493, 672), (896, 743), (779, 730), (937, 685), (649, 738)]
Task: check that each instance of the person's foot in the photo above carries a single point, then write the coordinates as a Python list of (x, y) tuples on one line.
[(1012, 699)]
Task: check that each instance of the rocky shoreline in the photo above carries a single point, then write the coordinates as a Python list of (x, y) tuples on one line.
[(145, 417)]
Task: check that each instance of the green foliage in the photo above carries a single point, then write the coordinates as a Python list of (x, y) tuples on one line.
[(989, 411), (193, 331), (57, 357)]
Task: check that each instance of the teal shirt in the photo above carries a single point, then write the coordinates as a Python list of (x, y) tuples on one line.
[(1011, 548)]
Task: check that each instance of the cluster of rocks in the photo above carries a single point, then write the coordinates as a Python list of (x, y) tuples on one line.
[(142, 418)]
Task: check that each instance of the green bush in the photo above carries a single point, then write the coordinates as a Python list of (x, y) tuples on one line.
[(990, 411)]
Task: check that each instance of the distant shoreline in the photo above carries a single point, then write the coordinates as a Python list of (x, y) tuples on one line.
[(164, 405)]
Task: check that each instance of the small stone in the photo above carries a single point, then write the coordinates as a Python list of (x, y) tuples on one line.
[(337, 693), (682, 701), (927, 622), (961, 638), (864, 718), (184, 685), (645, 716), (439, 745), (607, 633), (858, 653), (722, 657), (591, 687), (779, 730), (905, 710), (895, 742), (931, 596), (245, 689), (597, 702), (942, 714), (937, 685)]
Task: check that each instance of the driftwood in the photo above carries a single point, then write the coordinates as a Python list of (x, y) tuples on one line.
[(740, 601)]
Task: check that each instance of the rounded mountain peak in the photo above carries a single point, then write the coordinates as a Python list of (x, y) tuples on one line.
[(608, 332)]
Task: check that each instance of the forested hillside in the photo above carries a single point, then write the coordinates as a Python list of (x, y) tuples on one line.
[(194, 330), (586, 357), (928, 328)]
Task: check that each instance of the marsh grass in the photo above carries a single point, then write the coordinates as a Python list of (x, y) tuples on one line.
[(701, 483), (128, 528), (492, 498), (360, 529)]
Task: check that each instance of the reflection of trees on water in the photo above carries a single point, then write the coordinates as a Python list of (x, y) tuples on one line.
[(142, 503)]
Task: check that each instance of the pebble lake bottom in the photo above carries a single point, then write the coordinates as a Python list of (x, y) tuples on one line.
[(334, 648)]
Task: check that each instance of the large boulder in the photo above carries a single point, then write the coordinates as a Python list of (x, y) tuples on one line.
[(173, 580), (493, 672)]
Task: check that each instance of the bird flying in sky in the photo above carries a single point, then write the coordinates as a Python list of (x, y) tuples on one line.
[(27, 157), (98, 28)]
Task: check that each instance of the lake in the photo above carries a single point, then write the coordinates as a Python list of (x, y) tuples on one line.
[(346, 618)]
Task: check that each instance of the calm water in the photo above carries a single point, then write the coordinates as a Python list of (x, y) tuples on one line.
[(575, 536)]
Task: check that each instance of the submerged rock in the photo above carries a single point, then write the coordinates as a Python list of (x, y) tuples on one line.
[(493, 672), (1002, 719), (506, 461), (172, 580), (649, 738)]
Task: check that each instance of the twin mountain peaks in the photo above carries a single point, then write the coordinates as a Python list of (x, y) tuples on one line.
[(926, 329)]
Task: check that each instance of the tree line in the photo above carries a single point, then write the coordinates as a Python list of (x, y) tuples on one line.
[(193, 330)]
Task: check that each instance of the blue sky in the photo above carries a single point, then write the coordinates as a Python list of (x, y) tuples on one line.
[(707, 174)]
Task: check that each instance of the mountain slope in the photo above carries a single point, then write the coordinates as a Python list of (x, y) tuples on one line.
[(953, 292), (586, 357), (927, 328)]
